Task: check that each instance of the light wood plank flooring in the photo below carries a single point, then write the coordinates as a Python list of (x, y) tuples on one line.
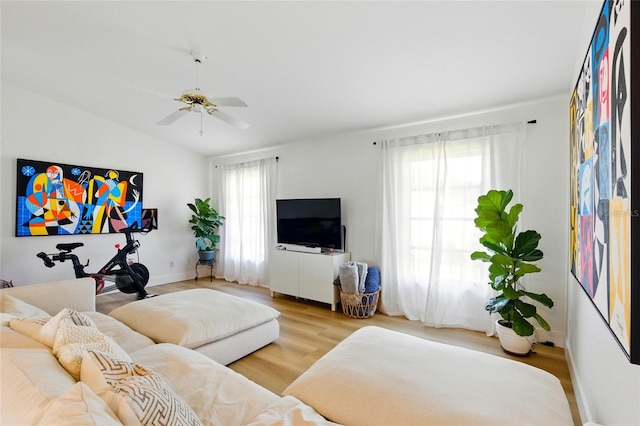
[(308, 330)]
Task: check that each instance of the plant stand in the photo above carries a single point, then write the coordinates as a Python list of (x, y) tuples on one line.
[(211, 263)]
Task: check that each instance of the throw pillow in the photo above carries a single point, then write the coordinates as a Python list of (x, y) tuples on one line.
[(28, 326), (79, 405), (44, 329), (17, 307), (72, 340), (135, 393)]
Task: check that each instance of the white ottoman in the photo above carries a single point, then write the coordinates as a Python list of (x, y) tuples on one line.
[(219, 325), (382, 377)]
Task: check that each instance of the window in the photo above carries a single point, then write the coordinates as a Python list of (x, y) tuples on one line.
[(430, 188), (246, 203)]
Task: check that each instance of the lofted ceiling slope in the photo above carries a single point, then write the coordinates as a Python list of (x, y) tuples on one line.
[(306, 69)]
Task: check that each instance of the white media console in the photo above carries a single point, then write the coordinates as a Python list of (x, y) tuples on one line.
[(306, 275)]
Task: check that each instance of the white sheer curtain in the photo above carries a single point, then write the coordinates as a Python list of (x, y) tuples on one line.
[(429, 190), (246, 199)]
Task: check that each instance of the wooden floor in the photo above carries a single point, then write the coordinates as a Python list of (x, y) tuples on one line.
[(308, 330)]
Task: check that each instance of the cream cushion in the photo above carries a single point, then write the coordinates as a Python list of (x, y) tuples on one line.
[(125, 337), (29, 379), (52, 297), (18, 308), (192, 318), (394, 378), (218, 394), (79, 405)]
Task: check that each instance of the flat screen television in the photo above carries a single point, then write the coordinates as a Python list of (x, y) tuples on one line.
[(311, 222)]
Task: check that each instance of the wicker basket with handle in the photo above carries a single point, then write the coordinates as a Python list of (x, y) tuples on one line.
[(359, 306)]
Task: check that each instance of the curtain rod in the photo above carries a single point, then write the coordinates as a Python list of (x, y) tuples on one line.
[(215, 166), (534, 121)]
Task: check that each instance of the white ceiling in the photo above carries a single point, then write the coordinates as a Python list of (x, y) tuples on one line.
[(306, 69)]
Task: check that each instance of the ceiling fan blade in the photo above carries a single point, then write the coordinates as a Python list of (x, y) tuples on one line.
[(233, 102), (173, 116), (230, 119)]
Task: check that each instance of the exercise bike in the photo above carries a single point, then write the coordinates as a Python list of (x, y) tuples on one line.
[(127, 276)]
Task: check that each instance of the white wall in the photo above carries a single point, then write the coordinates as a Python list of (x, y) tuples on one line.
[(38, 128), (346, 166)]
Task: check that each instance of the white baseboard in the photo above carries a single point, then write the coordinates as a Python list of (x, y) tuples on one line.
[(583, 408)]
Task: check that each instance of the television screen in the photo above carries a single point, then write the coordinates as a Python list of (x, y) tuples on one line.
[(312, 222)]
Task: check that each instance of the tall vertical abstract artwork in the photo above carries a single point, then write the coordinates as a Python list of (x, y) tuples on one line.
[(604, 215), (62, 199)]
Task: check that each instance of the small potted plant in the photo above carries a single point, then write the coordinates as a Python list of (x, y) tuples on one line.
[(204, 221), (510, 256)]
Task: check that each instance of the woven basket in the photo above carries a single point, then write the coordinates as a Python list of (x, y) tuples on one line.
[(359, 305)]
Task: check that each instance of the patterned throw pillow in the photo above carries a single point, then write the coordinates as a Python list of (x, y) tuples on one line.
[(72, 340), (135, 393)]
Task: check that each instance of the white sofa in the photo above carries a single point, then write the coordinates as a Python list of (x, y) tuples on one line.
[(373, 377), (37, 389)]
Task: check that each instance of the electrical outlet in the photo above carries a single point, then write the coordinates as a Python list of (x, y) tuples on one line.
[(171, 264)]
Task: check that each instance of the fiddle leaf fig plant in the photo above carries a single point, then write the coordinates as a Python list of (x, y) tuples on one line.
[(204, 221), (510, 256)]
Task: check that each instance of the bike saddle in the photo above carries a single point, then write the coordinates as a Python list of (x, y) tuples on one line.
[(68, 246)]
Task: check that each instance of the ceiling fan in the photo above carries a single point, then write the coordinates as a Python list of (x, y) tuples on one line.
[(198, 102)]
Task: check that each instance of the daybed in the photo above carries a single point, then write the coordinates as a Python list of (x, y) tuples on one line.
[(373, 377)]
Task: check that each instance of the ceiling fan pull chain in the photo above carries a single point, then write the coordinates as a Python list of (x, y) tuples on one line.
[(197, 74), (201, 133)]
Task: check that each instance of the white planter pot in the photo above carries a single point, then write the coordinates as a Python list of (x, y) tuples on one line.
[(511, 342)]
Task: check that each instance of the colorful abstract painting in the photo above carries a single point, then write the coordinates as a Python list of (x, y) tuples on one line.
[(63, 199), (602, 213)]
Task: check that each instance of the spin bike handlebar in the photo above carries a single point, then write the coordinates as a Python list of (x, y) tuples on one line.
[(46, 259), (63, 255)]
